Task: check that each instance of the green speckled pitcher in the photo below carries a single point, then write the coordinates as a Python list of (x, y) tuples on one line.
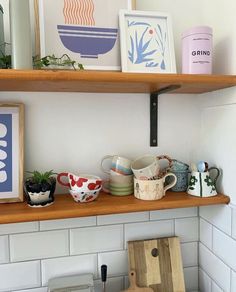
[(201, 184)]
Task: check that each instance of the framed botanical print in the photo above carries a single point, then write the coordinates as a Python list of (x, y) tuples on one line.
[(147, 44), (85, 30), (11, 152)]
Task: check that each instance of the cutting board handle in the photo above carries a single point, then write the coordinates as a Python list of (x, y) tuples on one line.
[(132, 279)]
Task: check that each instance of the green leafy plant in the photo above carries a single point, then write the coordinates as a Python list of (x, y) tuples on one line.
[(41, 177), (40, 181), (5, 60), (52, 60)]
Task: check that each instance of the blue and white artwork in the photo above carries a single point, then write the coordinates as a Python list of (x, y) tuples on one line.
[(6, 184), (149, 45)]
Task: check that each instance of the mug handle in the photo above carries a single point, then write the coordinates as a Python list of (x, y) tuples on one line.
[(60, 175), (217, 174), (104, 158), (171, 184), (170, 161), (105, 186)]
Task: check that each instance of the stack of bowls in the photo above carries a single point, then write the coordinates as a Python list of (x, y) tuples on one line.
[(121, 179), (119, 185), (181, 170)]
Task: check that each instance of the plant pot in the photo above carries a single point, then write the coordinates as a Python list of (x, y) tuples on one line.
[(40, 195)]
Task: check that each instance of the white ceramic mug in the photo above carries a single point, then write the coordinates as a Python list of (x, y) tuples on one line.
[(148, 167), (152, 189), (119, 165)]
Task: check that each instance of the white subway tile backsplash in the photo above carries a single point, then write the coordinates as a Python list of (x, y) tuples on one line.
[(122, 218), (173, 213), (206, 233), (204, 281), (112, 285), (117, 262), (233, 281), (4, 249), (20, 276), (187, 229), (67, 223), (214, 267), (42, 289), (191, 278), (96, 239), (220, 216), (52, 268), (215, 287), (18, 227), (154, 229), (39, 245), (224, 247), (234, 223), (189, 253)]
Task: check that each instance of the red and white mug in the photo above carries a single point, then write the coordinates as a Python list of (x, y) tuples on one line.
[(78, 183)]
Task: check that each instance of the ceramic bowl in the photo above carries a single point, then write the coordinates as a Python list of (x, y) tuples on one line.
[(87, 40), (85, 196)]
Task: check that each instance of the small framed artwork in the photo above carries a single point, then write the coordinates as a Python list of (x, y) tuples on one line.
[(11, 152), (147, 44), (86, 30)]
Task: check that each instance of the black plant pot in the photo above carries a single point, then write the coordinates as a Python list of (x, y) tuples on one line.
[(40, 195)]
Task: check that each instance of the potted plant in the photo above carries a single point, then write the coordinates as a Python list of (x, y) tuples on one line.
[(40, 188)]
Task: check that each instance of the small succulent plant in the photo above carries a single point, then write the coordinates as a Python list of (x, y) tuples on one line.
[(40, 181)]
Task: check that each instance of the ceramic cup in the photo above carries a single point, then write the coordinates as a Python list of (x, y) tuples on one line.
[(201, 184), (152, 189), (119, 185), (147, 167), (86, 196), (83, 182), (119, 165)]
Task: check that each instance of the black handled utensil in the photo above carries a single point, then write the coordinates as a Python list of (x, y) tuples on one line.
[(104, 277)]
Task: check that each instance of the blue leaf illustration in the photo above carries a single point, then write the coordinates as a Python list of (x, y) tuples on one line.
[(151, 64), (131, 53), (163, 65), (132, 23)]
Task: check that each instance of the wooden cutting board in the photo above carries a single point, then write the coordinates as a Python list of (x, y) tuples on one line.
[(133, 287), (158, 264)]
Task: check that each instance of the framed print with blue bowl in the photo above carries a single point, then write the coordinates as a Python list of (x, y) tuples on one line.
[(147, 44), (85, 30), (11, 152)]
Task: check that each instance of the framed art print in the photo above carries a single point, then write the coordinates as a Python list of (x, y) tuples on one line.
[(85, 30), (147, 44), (11, 152)]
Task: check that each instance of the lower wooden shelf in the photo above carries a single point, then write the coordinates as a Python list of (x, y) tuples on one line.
[(66, 207)]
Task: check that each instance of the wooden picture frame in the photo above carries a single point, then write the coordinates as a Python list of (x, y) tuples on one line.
[(147, 43), (61, 32), (11, 152)]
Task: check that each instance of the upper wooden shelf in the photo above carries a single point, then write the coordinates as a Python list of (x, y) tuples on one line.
[(65, 207), (110, 82)]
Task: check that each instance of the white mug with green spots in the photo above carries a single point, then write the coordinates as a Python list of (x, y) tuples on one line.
[(203, 184)]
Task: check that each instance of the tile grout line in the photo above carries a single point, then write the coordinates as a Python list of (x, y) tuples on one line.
[(211, 251), (216, 226)]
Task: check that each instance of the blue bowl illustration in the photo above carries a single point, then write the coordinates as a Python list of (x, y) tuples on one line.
[(89, 41)]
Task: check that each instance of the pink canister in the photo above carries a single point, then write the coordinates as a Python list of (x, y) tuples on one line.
[(197, 50)]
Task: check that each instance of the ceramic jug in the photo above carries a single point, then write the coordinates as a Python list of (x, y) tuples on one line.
[(201, 184)]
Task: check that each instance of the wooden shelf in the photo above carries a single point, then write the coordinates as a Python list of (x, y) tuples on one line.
[(66, 207), (110, 82)]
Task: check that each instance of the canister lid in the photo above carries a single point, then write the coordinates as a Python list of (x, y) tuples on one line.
[(196, 30), (1, 9)]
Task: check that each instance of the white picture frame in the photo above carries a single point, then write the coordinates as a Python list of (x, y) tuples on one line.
[(11, 152), (147, 44), (87, 34)]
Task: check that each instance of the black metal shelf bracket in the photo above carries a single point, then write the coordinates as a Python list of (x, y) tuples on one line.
[(154, 112)]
